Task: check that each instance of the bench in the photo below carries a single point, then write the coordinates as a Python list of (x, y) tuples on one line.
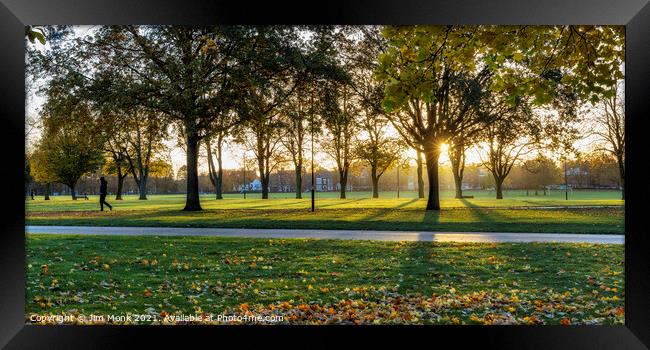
[(84, 196), (468, 196)]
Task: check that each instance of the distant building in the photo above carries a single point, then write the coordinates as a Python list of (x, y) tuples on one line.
[(577, 171), (253, 186), (324, 184)]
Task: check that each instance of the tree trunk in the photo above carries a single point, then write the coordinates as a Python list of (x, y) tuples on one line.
[(622, 188), (142, 188), (192, 201), (219, 182), (73, 193), (215, 178), (499, 187), (120, 184), (47, 191), (265, 186), (375, 183), (299, 182), (343, 181), (458, 182), (431, 155), (420, 179), (219, 179), (264, 178), (621, 172), (456, 156)]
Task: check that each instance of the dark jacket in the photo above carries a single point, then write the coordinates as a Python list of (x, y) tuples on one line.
[(102, 187)]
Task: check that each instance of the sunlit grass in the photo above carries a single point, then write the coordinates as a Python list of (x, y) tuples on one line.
[(604, 220), (330, 200), (516, 213)]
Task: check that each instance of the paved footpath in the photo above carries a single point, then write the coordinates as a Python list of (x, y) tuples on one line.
[(333, 234)]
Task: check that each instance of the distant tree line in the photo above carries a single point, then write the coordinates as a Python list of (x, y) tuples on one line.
[(536, 177)]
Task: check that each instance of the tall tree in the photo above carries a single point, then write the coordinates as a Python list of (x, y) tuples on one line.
[(363, 46), (467, 90), (421, 61), (214, 147), (418, 68), (134, 136), (378, 150), (338, 115), (281, 68), (188, 74), (135, 131), (68, 151), (263, 138), (509, 133), (611, 129), (138, 141), (321, 67), (296, 128)]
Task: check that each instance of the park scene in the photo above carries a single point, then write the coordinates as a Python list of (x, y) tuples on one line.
[(438, 175)]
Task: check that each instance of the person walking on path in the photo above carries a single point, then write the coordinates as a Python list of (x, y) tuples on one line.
[(102, 194)]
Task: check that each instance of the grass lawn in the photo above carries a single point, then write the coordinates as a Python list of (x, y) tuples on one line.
[(325, 281), (330, 200), (606, 220), (514, 214)]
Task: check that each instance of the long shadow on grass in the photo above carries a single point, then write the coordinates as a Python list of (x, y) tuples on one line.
[(376, 213), (405, 204), (268, 206), (338, 204), (480, 220), (432, 267), (423, 272), (493, 220), (482, 215), (228, 219), (589, 220), (496, 221)]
